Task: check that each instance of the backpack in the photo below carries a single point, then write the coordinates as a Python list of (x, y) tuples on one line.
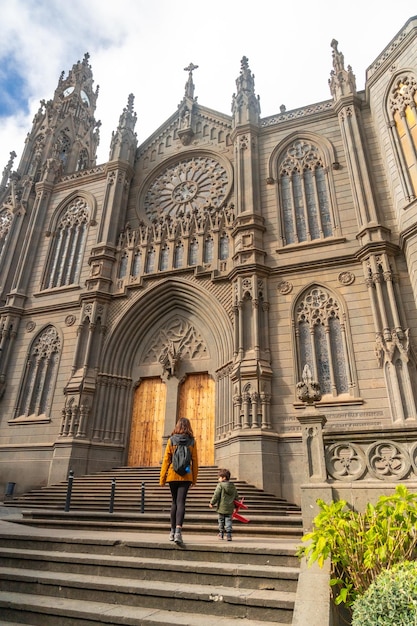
[(181, 459)]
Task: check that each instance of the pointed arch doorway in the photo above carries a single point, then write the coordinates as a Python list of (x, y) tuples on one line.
[(195, 400)]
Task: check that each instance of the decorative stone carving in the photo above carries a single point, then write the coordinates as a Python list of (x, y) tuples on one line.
[(187, 186), (345, 461), (178, 339), (285, 287), (308, 390), (346, 278)]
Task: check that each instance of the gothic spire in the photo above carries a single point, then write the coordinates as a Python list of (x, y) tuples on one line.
[(64, 128), (124, 141), (341, 82), (245, 104)]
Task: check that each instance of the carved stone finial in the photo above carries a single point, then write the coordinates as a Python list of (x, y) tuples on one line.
[(342, 81), (308, 390), (189, 85)]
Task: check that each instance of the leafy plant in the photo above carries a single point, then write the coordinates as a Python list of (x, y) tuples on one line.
[(391, 600), (361, 545)]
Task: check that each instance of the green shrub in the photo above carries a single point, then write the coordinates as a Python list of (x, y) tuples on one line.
[(391, 600), (361, 545)]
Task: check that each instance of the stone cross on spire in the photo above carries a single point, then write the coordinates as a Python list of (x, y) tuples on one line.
[(189, 85)]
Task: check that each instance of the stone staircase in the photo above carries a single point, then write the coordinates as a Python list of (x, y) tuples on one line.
[(87, 566), (69, 577), (139, 503)]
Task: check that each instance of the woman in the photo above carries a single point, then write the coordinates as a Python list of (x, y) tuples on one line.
[(179, 485)]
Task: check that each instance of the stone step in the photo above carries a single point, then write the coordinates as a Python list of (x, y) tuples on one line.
[(250, 576), (247, 551), (90, 504), (91, 577), (174, 596), (46, 611)]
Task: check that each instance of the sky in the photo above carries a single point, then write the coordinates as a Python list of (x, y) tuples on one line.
[(142, 47)]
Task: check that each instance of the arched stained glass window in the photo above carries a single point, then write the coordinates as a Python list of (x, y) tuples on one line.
[(68, 245), (304, 194), (403, 114), (321, 341), (41, 368)]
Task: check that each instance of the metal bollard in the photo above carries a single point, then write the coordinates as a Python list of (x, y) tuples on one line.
[(113, 490), (69, 491), (142, 499)]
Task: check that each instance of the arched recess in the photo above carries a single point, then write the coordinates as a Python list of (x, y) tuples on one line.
[(401, 118), (301, 165), (125, 365), (322, 340)]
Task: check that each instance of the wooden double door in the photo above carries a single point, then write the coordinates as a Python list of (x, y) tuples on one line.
[(196, 400)]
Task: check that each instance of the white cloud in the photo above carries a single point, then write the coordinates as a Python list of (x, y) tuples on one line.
[(142, 47)]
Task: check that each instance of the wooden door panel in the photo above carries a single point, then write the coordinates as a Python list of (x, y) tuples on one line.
[(147, 423), (197, 403)]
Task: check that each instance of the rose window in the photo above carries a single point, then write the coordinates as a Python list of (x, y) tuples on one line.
[(187, 186)]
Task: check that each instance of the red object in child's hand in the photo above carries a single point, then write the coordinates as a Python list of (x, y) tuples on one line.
[(239, 504)]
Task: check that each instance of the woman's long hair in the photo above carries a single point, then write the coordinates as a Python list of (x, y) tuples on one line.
[(183, 427)]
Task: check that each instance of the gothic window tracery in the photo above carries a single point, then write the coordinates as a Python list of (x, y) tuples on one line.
[(322, 342), (39, 378), (403, 115), (306, 212), (68, 243)]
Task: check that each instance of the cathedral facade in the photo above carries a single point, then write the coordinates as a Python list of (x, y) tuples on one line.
[(209, 273)]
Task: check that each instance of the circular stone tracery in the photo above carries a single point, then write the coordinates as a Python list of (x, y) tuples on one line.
[(188, 185)]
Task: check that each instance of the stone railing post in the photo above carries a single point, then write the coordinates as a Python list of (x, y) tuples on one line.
[(314, 460)]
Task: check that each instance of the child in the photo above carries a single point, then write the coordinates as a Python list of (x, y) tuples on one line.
[(223, 498)]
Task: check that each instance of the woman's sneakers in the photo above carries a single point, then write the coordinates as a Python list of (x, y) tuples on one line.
[(172, 534), (178, 535)]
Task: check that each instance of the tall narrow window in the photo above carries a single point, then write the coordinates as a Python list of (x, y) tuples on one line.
[(304, 194), (68, 246), (321, 341), (164, 259), (123, 265), (178, 255), (150, 260), (39, 379), (208, 250), (402, 110), (6, 218), (136, 263), (193, 258), (224, 247)]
